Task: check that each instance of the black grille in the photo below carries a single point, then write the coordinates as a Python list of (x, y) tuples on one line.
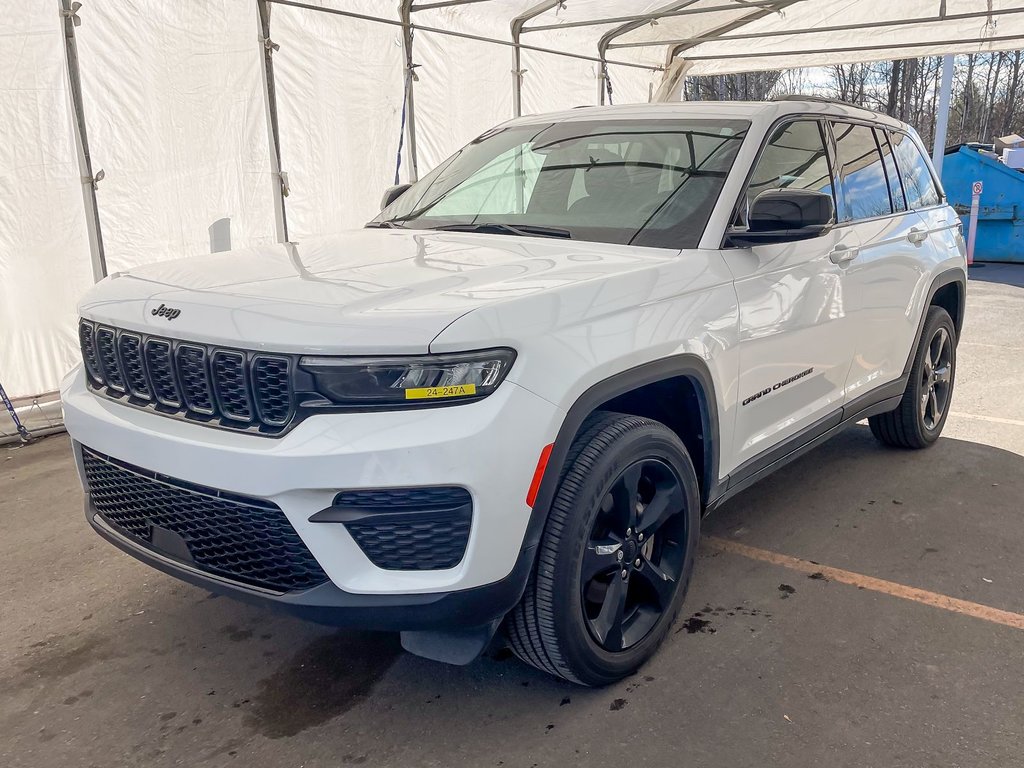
[(223, 387), (87, 338), (239, 538), (230, 377), (161, 371), (409, 529), (273, 389), (106, 351), (129, 345), (194, 378)]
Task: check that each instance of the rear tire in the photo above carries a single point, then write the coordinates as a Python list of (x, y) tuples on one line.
[(918, 420), (580, 618)]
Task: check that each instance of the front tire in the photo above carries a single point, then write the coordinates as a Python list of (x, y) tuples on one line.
[(918, 420), (616, 556)]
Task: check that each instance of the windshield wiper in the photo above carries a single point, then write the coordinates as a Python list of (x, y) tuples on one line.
[(389, 224), (522, 230)]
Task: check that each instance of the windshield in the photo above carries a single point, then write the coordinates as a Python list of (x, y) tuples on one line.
[(641, 182)]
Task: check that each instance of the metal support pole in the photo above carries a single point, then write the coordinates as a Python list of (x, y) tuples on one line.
[(972, 221), (942, 114), (273, 132), (69, 12), (517, 56), (517, 80), (405, 13), (607, 39)]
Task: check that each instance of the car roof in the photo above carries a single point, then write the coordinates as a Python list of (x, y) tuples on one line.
[(729, 110)]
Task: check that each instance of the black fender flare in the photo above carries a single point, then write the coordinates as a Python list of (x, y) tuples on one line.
[(941, 280), (678, 366)]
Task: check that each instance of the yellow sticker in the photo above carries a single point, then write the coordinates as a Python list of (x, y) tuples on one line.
[(434, 393)]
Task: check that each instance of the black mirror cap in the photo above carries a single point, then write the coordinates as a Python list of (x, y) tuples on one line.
[(393, 193), (787, 209), (786, 215)]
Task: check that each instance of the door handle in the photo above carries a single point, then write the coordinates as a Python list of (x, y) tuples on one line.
[(843, 254), (917, 236)]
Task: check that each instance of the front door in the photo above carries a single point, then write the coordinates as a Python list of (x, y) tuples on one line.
[(796, 336)]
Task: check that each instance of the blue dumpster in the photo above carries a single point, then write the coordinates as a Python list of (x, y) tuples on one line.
[(1001, 215)]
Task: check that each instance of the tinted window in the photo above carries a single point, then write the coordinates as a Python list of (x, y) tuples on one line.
[(643, 182), (895, 188), (794, 158), (865, 190), (917, 178)]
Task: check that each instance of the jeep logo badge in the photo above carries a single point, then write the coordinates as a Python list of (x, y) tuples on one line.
[(164, 311)]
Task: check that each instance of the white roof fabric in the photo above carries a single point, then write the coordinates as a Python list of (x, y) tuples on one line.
[(177, 114)]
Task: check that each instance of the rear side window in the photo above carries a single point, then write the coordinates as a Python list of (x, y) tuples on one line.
[(861, 173), (794, 158), (917, 178), (899, 204)]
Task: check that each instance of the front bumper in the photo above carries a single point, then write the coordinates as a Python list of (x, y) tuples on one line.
[(489, 447)]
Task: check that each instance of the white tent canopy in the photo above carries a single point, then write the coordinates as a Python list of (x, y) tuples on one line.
[(229, 122)]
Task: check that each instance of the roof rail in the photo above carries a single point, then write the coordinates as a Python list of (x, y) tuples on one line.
[(824, 100)]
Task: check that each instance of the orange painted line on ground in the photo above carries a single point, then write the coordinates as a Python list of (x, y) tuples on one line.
[(934, 599)]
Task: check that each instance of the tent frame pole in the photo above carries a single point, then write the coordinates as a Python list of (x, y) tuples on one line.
[(89, 180), (517, 55), (644, 18), (815, 30), (273, 127), (405, 14), (605, 42), (460, 35), (883, 55), (942, 112)]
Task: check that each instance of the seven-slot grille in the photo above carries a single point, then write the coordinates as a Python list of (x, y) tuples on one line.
[(236, 537), (224, 387)]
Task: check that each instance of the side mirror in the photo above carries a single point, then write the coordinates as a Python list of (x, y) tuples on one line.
[(786, 216), (393, 193)]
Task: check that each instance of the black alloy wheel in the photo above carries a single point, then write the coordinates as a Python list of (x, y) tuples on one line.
[(634, 556), (616, 555), (918, 419)]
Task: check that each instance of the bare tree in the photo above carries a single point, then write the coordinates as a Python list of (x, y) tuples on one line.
[(986, 91)]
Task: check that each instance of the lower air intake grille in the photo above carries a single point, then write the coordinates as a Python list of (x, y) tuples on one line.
[(409, 529), (235, 537)]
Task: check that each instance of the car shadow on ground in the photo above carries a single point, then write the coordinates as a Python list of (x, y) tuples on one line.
[(997, 272), (173, 668)]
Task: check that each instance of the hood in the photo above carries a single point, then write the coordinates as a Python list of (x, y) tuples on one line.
[(360, 292)]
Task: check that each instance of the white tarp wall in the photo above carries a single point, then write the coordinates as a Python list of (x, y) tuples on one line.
[(44, 249), (340, 90), (177, 114), (176, 120)]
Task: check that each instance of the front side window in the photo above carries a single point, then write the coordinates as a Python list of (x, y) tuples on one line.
[(861, 173), (794, 158), (917, 177), (639, 182)]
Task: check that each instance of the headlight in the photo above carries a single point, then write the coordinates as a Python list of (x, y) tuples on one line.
[(409, 381)]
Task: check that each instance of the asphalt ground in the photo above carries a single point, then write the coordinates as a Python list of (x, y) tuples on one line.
[(863, 607)]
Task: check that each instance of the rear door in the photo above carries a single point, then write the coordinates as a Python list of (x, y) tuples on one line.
[(891, 262), (924, 195), (796, 339)]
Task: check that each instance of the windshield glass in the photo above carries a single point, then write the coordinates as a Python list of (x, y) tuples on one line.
[(641, 182)]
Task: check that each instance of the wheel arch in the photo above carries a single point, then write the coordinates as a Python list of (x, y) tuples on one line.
[(949, 291), (952, 297), (622, 392)]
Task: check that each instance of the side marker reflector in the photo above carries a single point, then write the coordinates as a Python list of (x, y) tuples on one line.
[(538, 474)]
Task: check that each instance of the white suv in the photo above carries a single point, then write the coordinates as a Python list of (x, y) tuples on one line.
[(512, 396)]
